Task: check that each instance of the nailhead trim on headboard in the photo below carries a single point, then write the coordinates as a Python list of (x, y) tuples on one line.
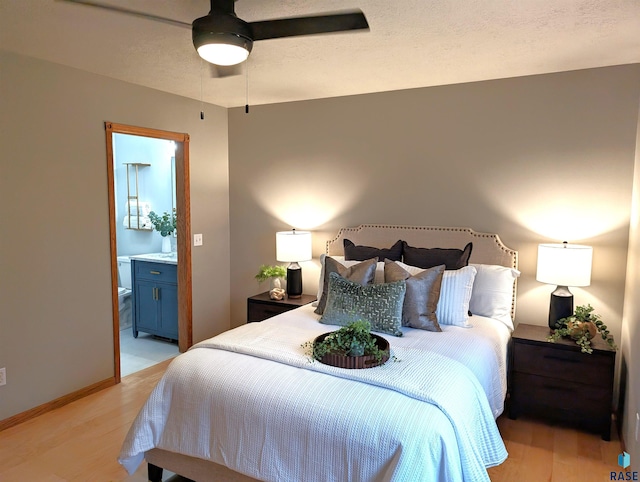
[(487, 248)]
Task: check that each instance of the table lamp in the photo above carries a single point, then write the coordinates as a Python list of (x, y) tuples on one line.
[(293, 246), (563, 265)]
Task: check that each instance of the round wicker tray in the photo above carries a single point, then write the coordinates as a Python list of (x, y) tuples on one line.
[(343, 361)]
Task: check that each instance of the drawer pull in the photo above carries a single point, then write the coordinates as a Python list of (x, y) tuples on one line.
[(154, 272), (564, 360)]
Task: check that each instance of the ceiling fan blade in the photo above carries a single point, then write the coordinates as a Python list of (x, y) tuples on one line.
[(113, 8), (296, 26)]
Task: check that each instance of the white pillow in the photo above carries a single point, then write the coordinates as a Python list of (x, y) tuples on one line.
[(492, 294), (379, 276), (455, 294)]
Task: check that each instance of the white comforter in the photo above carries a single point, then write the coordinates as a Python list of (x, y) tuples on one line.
[(251, 400)]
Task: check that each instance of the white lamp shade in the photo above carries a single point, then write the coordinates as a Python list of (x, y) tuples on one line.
[(564, 264), (293, 246)]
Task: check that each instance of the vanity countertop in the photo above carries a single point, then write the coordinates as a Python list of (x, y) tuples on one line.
[(167, 258)]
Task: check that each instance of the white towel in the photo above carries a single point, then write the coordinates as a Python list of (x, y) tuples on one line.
[(131, 208), (132, 222)]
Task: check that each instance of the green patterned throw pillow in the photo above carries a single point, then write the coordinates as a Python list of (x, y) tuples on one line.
[(379, 304)]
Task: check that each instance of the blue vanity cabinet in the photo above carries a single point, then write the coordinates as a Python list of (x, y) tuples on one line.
[(155, 298)]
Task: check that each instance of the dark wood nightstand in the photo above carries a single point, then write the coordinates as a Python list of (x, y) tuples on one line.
[(260, 307), (558, 382)]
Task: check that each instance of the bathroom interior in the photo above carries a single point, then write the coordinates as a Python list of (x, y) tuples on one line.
[(144, 178)]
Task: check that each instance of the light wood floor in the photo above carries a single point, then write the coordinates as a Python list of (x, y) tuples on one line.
[(539, 452), (80, 442)]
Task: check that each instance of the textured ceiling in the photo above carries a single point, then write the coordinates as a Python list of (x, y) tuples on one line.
[(412, 43)]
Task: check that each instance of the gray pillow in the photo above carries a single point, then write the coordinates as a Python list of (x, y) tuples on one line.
[(421, 298), (362, 273), (379, 304)]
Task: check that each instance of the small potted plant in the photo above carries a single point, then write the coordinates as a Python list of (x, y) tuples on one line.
[(582, 327), (275, 274), (352, 346), (165, 224)]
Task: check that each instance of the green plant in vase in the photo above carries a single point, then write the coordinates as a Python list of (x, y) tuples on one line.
[(274, 274), (582, 327), (267, 272), (165, 223)]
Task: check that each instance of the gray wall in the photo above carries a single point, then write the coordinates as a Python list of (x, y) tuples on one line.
[(536, 159), (55, 291), (630, 347)]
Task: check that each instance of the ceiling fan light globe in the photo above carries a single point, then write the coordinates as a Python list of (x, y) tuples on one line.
[(223, 54)]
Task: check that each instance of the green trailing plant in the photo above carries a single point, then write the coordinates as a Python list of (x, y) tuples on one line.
[(267, 272), (165, 224), (354, 339), (582, 327)]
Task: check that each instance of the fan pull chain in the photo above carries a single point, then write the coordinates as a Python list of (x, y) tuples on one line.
[(246, 72), (201, 101)]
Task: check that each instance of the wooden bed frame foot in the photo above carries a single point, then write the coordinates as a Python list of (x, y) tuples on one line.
[(154, 473)]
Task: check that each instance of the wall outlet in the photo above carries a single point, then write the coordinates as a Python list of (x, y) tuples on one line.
[(3, 381), (197, 239)]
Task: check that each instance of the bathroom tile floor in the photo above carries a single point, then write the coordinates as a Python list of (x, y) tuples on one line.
[(142, 352)]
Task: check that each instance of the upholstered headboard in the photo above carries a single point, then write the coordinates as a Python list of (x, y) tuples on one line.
[(487, 248)]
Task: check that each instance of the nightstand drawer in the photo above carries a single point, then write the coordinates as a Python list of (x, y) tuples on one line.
[(553, 394), (259, 311), (563, 364), (260, 307)]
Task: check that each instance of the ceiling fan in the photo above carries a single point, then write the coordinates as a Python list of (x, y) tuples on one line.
[(220, 37)]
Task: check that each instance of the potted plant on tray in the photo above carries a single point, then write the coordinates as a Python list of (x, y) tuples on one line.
[(352, 346), (582, 327)]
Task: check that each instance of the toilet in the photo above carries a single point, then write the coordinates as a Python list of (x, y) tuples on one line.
[(124, 291)]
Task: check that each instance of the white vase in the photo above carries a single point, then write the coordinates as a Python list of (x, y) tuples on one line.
[(276, 292), (166, 244), (275, 283)]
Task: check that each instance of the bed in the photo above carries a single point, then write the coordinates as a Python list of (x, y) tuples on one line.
[(249, 404)]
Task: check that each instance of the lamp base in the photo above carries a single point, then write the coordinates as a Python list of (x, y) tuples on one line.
[(560, 306), (294, 281)]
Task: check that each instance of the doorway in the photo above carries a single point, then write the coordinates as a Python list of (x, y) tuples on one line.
[(183, 230)]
